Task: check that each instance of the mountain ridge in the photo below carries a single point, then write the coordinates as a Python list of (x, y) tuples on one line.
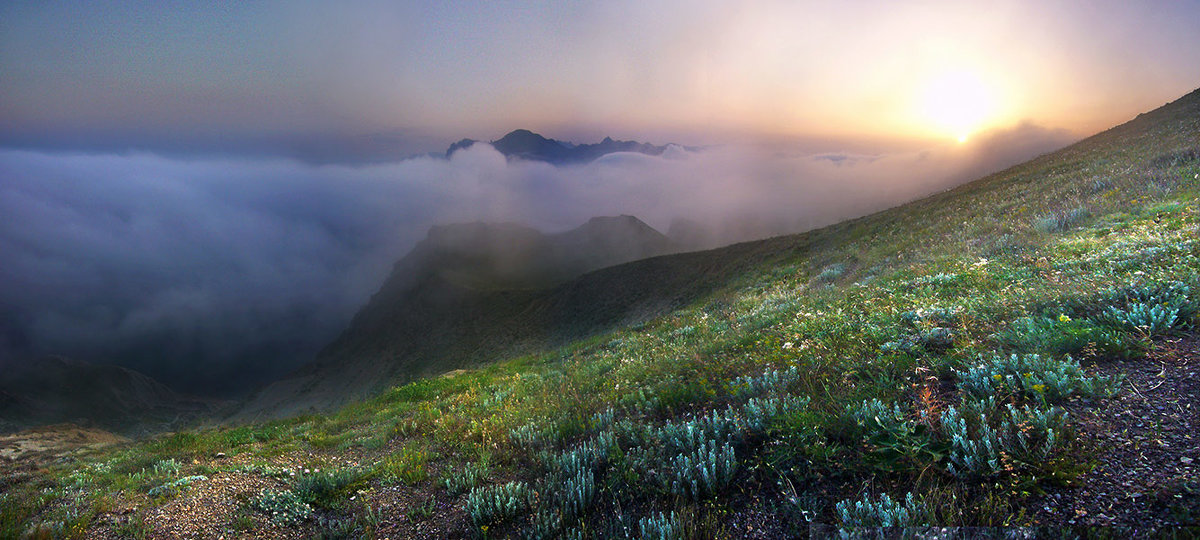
[(527, 145), (465, 292), (51, 389)]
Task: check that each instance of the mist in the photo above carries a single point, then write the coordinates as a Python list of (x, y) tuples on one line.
[(217, 274)]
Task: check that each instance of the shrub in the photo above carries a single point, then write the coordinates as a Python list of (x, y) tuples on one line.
[(406, 466), (602, 420), (472, 474), (760, 412), (1005, 244), (831, 273), (1040, 377), (167, 467), (704, 472), (906, 344), (660, 526), (1148, 318), (170, 489), (875, 416), (686, 436), (936, 339), (891, 434), (267, 471), (1171, 296), (1063, 335), (576, 492), (883, 512), (1061, 221), (546, 525), (1021, 436), (535, 435), (684, 331), (285, 507), (932, 327), (571, 484), (643, 400), (329, 488), (337, 529), (494, 504), (769, 382)]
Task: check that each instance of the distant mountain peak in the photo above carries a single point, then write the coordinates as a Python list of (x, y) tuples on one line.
[(464, 143), (525, 144), (623, 220)]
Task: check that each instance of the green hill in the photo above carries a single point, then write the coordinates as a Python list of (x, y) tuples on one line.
[(1018, 352), (467, 295)]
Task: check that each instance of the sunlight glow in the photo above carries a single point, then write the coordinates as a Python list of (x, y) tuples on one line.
[(957, 103)]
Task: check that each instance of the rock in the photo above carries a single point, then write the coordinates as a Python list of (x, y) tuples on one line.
[(220, 455), (1186, 460)]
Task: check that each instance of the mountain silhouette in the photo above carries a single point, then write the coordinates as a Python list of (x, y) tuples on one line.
[(527, 145)]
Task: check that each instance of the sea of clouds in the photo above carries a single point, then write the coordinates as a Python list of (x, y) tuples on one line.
[(218, 274)]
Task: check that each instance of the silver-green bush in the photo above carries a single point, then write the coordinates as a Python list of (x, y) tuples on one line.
[(1031, 375), (493, 504), (881, 512), (660, 526), (704, 472)]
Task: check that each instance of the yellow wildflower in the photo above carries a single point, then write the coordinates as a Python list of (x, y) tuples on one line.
[(1064, 318)]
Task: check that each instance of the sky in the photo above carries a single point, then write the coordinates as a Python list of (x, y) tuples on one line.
[(207, 192), (300, 77)]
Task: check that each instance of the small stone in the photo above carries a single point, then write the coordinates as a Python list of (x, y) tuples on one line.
[(1186, 460), (220, 455)]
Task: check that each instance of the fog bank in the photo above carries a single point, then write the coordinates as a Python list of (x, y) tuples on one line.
[(215, 275)]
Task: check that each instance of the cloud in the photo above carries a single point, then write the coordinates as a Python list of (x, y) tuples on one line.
[(218, 274)]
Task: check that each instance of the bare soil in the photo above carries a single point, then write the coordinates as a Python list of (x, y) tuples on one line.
[(1146, 477)]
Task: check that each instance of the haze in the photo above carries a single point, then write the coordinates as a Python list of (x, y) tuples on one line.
[(208, 194)]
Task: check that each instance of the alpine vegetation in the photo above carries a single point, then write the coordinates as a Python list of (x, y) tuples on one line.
[(1033, 376), (488, 505), (1011, 439), (705, 471), (881, 512), (660, 526), (284, 507), (470, 475)]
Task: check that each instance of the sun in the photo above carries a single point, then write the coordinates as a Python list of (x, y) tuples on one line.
[(956, 104)]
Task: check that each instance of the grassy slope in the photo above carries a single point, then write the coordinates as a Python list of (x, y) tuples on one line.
[(895, 306)]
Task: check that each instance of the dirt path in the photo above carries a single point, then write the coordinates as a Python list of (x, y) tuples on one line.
[(1147, 439)]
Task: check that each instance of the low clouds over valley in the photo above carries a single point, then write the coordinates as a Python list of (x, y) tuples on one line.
[(219, 274)]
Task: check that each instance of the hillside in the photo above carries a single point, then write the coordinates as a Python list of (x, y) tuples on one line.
[(467, 294), (1017, 356), (53, 389)]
